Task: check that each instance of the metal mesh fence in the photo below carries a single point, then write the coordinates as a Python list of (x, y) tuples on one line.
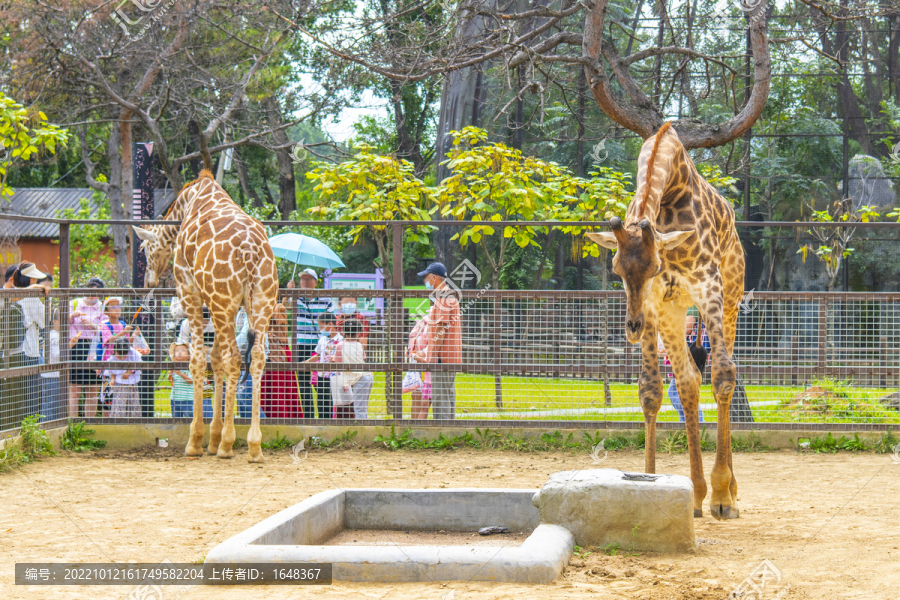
[(821, 360)]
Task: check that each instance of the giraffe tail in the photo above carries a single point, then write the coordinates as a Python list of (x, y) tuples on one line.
[(251, 339)]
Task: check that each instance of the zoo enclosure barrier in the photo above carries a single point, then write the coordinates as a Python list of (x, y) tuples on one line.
[(529, 358)]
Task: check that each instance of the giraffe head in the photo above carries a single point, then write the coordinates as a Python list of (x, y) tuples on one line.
[(638, 260), (157, 246)]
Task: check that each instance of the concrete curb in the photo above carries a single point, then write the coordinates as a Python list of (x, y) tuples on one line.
[(292, 535), (127, 436)]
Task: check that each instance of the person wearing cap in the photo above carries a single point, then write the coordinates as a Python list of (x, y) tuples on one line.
[(307, 313), (445, 341), (85, 320), (23, 322)]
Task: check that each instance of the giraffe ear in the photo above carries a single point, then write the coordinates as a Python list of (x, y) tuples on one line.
[(144, 234), (607, 239), (673, 239)]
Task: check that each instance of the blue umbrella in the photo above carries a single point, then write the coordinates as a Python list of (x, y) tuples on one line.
[(304, 250)]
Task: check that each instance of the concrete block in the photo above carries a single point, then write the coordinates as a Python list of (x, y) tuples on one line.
[(603, 506)]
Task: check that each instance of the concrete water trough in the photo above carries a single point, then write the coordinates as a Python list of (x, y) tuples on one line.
[(389, 535)]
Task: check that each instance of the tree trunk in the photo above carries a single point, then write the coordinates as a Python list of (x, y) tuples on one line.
[(116, 153), (244, 179), (287, 190)]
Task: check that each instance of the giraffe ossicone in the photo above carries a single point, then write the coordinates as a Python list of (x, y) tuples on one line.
[(222, 260), (679, 247)]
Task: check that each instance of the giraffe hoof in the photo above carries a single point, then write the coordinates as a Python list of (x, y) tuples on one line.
[(212, 449), (193, 450), (734, 514), (698, 512), (721, 512), (223, 453), (256, 457)]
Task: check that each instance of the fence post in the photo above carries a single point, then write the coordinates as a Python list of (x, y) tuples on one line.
[(64, 354), (795, 355), (395, 401), (497, 354), (823, 334), (158, 330), (64, 255), (604, 353)]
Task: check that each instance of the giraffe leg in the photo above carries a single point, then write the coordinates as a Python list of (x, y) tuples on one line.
[(254, 435), (194, 308), (650, 390), (231, 359), (687, 382), (261, 306), (724, 375), (733, 274), (219, 370)]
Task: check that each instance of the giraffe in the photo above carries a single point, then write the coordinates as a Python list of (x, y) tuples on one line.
[(679, 247), (222, 260)]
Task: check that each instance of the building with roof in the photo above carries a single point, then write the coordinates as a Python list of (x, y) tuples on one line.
[(37, 242)]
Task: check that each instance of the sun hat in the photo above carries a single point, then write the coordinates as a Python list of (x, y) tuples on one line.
[(33, 272)]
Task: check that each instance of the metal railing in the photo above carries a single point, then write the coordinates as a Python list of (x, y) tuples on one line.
[(528, 358)]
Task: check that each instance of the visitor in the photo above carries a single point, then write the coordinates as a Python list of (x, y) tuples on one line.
[(85, 319), (445, 341), (351, 389), (22, 320), (113, 329), (326, 347), (245, 390), (690, 334), (280, 397), (347, 309), (126, 401), (29, 386), (181, 396), (184, 339), (7, 277), (416, 353), (45, 283), (306, 314), (51, 403)]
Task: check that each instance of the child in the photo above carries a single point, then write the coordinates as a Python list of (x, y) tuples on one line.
[(113, 329), (329, 338), (126, 400), (351, 389), (50, 400), (182, 396), (348, 310), (415, 352)]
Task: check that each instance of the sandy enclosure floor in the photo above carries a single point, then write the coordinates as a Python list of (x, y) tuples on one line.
[(383, 537), (829, 523)]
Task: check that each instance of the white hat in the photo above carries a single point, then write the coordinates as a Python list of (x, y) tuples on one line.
[(33, 272), (311, 273), (112, 299)]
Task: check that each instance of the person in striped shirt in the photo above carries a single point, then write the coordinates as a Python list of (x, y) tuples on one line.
[(307, 312)]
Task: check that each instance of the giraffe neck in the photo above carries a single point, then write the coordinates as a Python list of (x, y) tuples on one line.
[(664, 169), (176, 212)]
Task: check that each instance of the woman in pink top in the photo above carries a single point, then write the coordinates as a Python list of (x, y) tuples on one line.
[(85, 319), (418, 343)]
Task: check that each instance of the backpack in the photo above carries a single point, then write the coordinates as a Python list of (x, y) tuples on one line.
[(12, 321)]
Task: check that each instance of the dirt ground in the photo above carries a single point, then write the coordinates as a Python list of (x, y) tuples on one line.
[(830, 524)]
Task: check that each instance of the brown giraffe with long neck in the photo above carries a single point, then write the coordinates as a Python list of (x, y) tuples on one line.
[(222, 260), (679, 247)]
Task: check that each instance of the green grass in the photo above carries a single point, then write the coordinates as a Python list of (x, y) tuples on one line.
[(524, 395)]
